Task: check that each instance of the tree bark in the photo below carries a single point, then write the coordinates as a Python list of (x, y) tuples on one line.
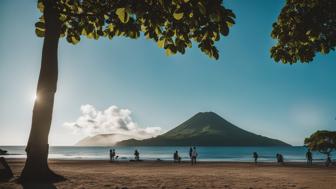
[(36, 167)]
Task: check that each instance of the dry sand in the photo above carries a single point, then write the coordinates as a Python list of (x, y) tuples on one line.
[(102, 174)]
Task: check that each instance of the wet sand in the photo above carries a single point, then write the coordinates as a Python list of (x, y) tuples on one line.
[(102, 174)]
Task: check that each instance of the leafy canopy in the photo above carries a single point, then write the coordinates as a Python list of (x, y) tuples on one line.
[(304, 28), (173, 24), (322, 141)]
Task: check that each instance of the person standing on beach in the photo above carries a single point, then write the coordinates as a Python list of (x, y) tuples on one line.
[(255, 156), (177, 158), (110, 154), (190, 152), (137, 155), (113, 154), (328, 161), (193, 156), (280, 159), (309, 157)]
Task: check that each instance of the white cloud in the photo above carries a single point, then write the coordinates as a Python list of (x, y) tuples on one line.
[(113, 120)]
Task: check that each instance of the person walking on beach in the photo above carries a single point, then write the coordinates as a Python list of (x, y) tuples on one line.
[(193, 156), (137, 155), (255, 156), (309, 157)]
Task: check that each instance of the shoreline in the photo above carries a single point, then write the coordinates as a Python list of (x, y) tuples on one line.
[(288, 162), (212, 154)]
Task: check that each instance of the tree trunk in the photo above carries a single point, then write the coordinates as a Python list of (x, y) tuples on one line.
[(36, 167)]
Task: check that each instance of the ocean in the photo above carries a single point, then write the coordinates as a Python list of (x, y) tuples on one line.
[(229, 154)]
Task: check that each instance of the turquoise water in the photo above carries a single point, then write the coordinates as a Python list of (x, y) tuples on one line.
[(237, 154)]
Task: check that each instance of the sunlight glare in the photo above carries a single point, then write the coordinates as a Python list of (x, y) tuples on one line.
[(34, 98)]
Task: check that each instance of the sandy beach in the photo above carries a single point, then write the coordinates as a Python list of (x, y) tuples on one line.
[(102, 174)]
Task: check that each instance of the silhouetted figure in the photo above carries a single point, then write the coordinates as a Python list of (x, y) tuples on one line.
[(5, 170), (193, 156), (328, 161), (137, 155), (309, 157), (190, 152), (255, 156), (177, 158), (111, 155), (280, 158), (277, 157)]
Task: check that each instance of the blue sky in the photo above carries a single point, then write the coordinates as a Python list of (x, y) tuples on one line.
[(244, 86)]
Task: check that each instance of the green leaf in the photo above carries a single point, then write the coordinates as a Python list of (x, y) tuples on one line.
[(39, 33), (75, 39), (62, 17), (84, 32), (189, 44), (40, 25), (229, 23), (224, 30), (215, 36), (161, 43), (178, 16), (215, 54), (122, 15), (90, 35), (110, 27), (168, 52)]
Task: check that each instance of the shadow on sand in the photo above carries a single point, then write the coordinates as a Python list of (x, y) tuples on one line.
[(32, 185)]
